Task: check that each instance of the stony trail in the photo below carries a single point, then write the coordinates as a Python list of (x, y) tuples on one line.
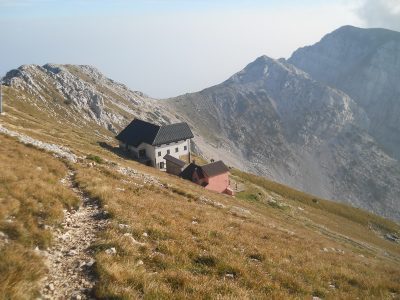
[(70, 259)]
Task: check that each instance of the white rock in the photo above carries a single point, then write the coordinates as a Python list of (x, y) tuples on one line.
[(123, 226), (72, 253), (133, 240), (140, 263), (90, 262), (111, 251)]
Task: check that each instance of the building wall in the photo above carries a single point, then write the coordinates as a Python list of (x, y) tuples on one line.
[(149, 152), (199, 181), (218, 183), (173, 168), (152, 151), (133, 151), (163, 149)]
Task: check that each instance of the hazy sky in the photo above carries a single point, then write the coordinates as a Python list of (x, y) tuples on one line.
[(170, 47)]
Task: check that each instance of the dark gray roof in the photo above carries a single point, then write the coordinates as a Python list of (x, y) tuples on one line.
[(173, 133), (139, 131), (174, 160), (187, 173), (214, 169)]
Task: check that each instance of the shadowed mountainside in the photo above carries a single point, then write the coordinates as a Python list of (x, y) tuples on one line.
[(274, 119)]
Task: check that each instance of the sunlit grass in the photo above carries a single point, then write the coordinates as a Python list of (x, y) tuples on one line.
[(31, 198), (191, 250)]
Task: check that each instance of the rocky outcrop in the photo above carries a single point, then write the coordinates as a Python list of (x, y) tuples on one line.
[(83, 95), (57, 150)]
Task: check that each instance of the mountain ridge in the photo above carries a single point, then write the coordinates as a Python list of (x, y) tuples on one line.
[(365, 64), (305, 125)]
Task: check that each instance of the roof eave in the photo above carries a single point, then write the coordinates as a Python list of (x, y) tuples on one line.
[(169, 142)]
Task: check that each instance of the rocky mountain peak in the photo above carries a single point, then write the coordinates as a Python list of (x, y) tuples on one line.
[(342, 50), (365, 64), (285, 121), (83, 91), (263, 68)]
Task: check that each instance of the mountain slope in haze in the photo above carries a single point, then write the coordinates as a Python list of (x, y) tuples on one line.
[(365, 64), (274, 119)]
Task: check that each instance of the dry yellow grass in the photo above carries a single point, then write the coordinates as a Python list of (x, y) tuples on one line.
[(31, 197), (241, 251), (327, 216)]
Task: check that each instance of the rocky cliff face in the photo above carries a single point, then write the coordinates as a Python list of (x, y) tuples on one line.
[(81, 94), (365, 64), (276, 120)]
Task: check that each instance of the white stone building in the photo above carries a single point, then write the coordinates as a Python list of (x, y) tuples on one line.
[(149, 143)]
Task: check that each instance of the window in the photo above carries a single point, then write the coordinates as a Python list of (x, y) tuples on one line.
[(161, 165), (176, 149), (185, 148), (168, 151), (159, 153)]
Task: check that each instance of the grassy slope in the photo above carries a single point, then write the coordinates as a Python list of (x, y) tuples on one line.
[(244, 250), (251, 248), (31, 196)]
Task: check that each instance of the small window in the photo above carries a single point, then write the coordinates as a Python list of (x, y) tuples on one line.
[(159, 153), (176, 149), (161, 165), (168, 151), (185, 148)]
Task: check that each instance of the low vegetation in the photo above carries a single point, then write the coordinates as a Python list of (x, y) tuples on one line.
[(170, 245), (346, 211), (95, 158), (31, 199)]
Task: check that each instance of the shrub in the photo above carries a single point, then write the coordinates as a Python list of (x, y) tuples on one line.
[(206, 260), (95, 158)]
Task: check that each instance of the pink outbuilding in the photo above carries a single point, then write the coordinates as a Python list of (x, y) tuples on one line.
[(213, 176)]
